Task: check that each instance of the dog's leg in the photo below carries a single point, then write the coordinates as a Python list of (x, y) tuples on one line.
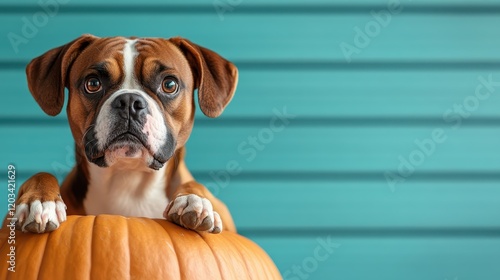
[(39, 207), (194, 207)]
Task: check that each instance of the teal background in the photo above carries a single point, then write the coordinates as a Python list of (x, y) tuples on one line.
[(322, 176)]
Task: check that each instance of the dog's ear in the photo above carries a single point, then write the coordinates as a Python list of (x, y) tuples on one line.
[(47, 74), (215, 77)]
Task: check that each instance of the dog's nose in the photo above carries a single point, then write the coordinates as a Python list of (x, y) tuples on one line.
[(130, 105)]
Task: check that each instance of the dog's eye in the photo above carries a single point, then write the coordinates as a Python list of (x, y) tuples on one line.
[(169, 85), (93, 85)]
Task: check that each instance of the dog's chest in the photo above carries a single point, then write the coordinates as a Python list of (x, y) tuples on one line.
[(126, 192)]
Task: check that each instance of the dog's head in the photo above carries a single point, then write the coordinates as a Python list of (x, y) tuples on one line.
[(131, 98)]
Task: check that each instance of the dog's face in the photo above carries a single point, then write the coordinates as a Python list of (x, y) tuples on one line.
[(131, 98), (137, 96)]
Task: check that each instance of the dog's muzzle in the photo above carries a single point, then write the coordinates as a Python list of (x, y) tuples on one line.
[(127, 137)]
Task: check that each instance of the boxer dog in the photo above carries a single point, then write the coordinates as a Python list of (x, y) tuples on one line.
[(131, 110)]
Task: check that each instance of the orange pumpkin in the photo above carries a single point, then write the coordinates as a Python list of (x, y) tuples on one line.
[(116, 247)]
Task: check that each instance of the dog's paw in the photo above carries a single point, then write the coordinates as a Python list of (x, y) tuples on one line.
[(193, 212), (40, 207), (40, 217)]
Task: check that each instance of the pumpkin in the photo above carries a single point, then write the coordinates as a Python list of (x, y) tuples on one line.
[(116, 247)]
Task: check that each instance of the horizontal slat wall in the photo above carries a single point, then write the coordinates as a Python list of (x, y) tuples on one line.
[(321, 177), (194, 4), (308, 37)]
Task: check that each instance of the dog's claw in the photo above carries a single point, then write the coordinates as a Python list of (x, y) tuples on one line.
[(174, 218)]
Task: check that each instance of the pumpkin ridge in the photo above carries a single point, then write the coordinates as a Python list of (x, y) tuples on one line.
[(67, 228), (183, 265), (92, 219), (92, 243), (76, 227), (238, 244), (110, 251), (46, 238), (176, 249), (127, 234), (215, 256), (158, 221), (32, 250)]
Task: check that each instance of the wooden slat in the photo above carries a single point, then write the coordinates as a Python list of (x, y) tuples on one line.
[(284, 37), (363, 206), (334, 94), (343, 149), (391, 259), (253, 2), (295, 149)]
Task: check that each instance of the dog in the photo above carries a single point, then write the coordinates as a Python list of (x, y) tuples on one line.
[(131, 110)]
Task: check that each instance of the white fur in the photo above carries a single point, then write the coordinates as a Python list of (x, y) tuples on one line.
[(129, 54), (155, 129), (128, 188)]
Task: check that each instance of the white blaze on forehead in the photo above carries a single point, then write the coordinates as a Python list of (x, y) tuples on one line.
[(129, 55)]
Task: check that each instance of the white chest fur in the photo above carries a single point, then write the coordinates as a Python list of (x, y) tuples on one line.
[(126, 189)]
